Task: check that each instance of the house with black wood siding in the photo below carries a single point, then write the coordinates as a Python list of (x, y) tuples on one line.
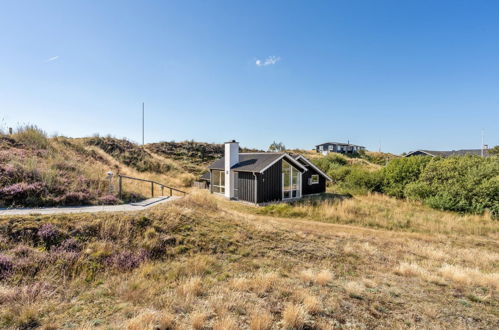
[(263, 177)]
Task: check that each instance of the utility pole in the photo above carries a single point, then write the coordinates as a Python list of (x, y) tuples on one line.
[(142, 123)]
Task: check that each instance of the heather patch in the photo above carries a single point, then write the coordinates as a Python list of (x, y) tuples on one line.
[(49, 235), (6, 264), (126, 260)]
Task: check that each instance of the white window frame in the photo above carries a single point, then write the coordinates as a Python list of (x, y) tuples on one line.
[(312, 181), (298, 183), (221, 188)]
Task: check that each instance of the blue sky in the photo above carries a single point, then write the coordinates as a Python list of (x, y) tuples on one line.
[(403, 74)]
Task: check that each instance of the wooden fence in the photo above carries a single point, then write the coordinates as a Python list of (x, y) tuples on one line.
[(120, 186)]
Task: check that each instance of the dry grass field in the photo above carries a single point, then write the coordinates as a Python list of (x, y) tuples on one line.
[(206, 263)]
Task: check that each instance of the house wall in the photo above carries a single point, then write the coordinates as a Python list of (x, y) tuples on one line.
[(270, 184), (306, 188), (246, 187)]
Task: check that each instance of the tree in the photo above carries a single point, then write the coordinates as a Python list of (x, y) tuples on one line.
[(277, 147), (494, 151)]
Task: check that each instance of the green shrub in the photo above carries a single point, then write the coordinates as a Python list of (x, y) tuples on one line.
[(400, 172), (331, 161), (463, 184), (364, 179)]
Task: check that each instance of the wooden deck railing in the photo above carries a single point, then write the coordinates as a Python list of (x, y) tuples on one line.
[(120, 185)]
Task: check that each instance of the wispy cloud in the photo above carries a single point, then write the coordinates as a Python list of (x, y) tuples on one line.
[(53, 58), (271, 60)]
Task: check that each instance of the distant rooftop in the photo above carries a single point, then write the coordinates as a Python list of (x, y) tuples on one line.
[(340, 144), (462, 152)]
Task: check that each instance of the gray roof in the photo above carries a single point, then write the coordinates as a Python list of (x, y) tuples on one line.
[(339, 143), (206, 176), (250, 162), (462, 152)]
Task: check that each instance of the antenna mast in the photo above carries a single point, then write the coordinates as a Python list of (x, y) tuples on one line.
[(482, 144), (142, 123)]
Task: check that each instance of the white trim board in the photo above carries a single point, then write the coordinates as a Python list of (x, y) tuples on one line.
[(294, 161)]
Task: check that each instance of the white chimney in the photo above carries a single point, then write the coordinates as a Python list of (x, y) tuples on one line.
[(231, 158)]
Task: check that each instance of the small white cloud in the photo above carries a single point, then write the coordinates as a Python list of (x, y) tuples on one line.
[(52, 58), (271, 60)]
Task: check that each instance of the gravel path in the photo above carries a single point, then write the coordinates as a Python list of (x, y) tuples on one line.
[(91, 209)]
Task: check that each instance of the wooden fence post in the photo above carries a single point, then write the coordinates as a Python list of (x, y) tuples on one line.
[(120, 188), (152, 189), (162, 190), (170, 192)]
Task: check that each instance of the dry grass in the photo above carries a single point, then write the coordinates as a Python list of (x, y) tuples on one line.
[(311, 304), (464, 276), (198, 320), (260, 320), (226, 323), (309, 277), (152, 320), (324, 277), (191, 287), (227, 268), (354, 289), (409, 269), (380, 211), (294, 316)]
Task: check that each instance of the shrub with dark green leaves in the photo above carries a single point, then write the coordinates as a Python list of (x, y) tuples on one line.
[(463, 184), (400, 172)]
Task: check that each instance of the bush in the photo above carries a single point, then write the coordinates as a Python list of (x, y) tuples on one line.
[(6, 264), (400, 172), (109, 200), (49, 235), (127, 260), (369, 181), (74, 198), (22, 193), (463, 184), (32, 136), (330, 162)]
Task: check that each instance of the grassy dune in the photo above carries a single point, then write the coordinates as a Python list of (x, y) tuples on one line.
[(204, 263), (39, 171)]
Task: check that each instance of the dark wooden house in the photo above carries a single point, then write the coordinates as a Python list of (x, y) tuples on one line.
[(342, 148), (452, 153), (264, 177)]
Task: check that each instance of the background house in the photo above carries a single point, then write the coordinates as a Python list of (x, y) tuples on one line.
[(342, 148), (462, 152)]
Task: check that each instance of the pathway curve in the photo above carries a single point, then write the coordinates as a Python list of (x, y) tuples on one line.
[(91, 209)]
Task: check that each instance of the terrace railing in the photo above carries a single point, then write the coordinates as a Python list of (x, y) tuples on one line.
[(163, 186)]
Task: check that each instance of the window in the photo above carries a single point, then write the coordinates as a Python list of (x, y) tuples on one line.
[(314, 179), (218, 182), (290, 181)]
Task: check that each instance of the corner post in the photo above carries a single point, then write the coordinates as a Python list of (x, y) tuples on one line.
[(120, 186)]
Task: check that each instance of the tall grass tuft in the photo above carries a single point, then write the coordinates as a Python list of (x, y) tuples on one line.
[(32, 136)]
